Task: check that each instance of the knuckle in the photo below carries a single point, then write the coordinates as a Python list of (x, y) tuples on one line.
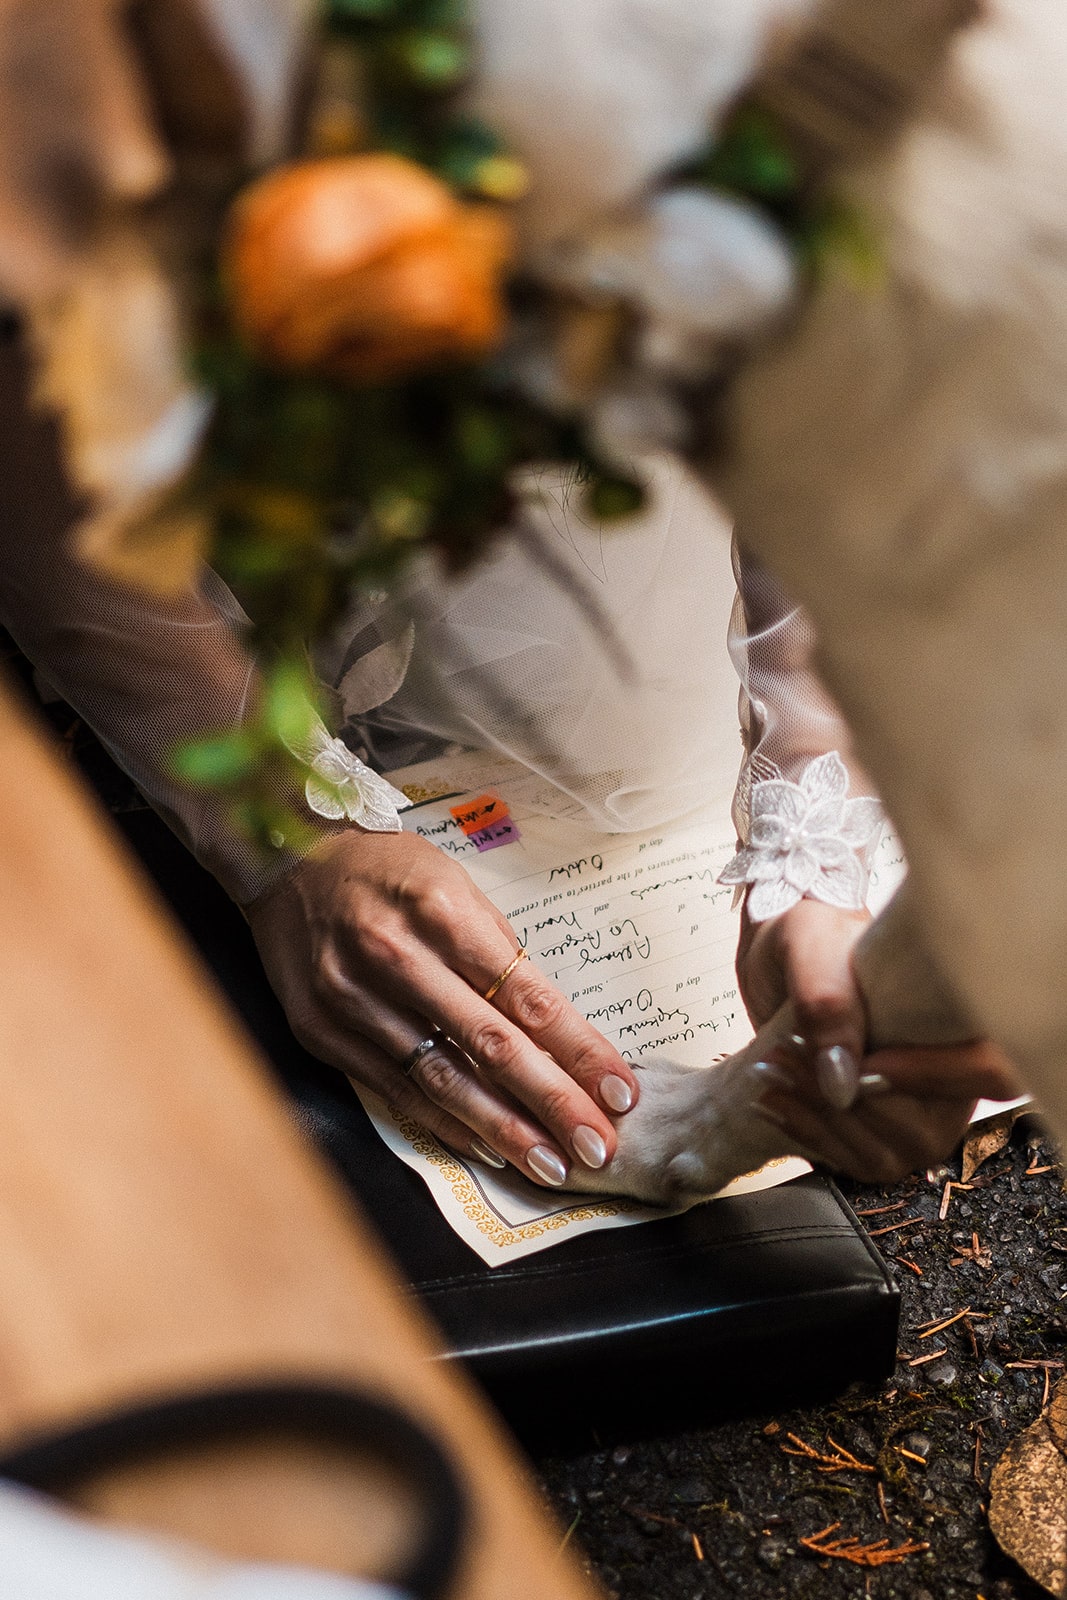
[(592, 1058), (554, 1104), (822, 1008), (435, 903), (438, 1075), (536, 1008), (491, 1046), (327, 975), (382, 945)]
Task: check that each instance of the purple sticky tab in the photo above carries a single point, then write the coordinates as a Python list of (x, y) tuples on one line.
[(498, 833)]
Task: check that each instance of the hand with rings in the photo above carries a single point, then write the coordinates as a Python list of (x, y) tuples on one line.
[(875, 1116), (395, 968)]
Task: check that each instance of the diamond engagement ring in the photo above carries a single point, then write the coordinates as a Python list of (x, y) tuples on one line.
[(411, 1061)]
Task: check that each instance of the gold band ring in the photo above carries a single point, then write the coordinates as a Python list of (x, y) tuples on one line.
[(505, 975)]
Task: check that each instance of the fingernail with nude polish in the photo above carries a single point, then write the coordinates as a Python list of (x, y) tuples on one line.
[(838, 1076), (874, 1083), (769, 1075), (547, 1165), (616, 1094), (482, 1152), (589, 1147)]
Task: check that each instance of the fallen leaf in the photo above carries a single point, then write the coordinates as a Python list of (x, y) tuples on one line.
[(1056, 1416), (1028, 1506), (987, 1139)]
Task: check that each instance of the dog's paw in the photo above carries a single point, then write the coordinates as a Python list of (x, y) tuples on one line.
[(692, 1131)]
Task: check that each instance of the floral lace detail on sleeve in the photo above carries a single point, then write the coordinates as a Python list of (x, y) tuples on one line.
[(343, 788), (807, 839)]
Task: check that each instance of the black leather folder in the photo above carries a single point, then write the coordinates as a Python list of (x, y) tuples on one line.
[(740, 1304)]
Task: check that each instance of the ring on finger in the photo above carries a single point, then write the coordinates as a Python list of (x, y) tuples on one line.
[(499, 981), (433, 1041)]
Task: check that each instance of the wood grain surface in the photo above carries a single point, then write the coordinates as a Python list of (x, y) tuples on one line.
[(163, 1225)]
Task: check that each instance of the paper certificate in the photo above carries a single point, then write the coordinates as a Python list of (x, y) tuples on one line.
[(632, 927)]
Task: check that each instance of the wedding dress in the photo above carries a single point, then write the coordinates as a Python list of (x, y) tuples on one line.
[(505, 659)]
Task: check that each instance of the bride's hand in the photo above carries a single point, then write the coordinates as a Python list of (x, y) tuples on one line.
[(376, 940), (876, 1117)]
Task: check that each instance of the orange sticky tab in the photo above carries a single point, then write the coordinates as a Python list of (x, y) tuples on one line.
[(483, 812)]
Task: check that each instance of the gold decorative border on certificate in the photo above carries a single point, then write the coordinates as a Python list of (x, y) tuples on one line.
[(478, 1212)]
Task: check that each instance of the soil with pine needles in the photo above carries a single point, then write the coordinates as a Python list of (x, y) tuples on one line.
[(724, 1511)]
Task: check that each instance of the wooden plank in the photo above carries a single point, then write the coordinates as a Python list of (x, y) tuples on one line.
[(163, 1224)]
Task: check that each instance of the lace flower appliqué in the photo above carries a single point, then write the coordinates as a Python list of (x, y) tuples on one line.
[(804, 841), (340, 786)]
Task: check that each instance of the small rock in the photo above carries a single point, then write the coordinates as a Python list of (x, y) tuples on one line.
[(943, 1372), (621, 1455), (771, 1553), (919, 1444)]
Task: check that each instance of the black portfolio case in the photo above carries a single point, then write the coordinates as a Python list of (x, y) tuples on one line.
[(741, 1304)]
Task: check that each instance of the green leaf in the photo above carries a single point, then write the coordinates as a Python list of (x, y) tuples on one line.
[(612, 499), (362, 10), (752, 158), (216, 761), (289, 702), (485, 440), (432, 58)]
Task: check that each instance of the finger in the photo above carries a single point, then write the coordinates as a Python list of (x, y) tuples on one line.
[(760, 968), (445, 1094), (921, 1132), (818, 948), (371, 1067), (502, 1129), (978, 1071), (839, 1140), (514, 1063), (534, 1004), (480, 949), (446, 1077)]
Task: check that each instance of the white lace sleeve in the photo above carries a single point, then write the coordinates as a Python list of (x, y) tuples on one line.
[(146, 673), (807, 820)]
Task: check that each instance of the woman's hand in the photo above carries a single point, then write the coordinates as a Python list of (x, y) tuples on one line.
[(379, 938), (876, 1117)]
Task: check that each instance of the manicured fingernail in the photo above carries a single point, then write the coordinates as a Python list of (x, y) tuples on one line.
[(589, 1147), (482, 1152), (547, 1165), (797, 1041), (616, 1094), (874, 1083), (769, 1075), (838, 1076)]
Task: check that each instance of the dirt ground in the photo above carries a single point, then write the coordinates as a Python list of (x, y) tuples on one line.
[(725, 1511)]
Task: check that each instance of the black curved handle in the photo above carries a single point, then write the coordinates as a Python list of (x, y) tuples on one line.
[(56, 1461)]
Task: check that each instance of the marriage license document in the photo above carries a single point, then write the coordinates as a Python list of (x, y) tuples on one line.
[(633, 927)]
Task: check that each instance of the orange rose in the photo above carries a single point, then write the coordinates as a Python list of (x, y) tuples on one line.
[(364, 267)]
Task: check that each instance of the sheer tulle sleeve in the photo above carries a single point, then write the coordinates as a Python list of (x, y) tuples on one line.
[(806, 817), (144, 672)]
